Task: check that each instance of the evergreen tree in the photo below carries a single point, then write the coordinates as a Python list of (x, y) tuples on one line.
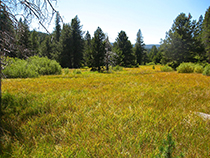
[(87, 58), (34, 43), (57, 28), (77, 42), (23, 40), (124, 50), (98, 50), (55, 44), (155, 55), (66, 49), (200, 53), (46, 47), (6, 29), (139, 47), (206, 32), (179, 42)]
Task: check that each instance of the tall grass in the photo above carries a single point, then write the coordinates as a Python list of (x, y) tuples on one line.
[(122, 114)]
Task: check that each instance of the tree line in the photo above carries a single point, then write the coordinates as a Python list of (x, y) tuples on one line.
[(188, 40)]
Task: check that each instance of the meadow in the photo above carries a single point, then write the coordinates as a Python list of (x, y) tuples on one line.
[(137, 112)]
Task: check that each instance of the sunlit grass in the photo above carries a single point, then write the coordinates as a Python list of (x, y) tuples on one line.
[(120, 114)]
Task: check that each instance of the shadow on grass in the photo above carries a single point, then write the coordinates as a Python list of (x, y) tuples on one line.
[(10, 121)]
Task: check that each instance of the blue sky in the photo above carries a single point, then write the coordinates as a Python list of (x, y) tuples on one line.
[(153, 17)]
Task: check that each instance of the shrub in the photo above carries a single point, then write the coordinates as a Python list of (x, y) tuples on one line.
[(206, 70), (173, 64), (66, 71), (166, 68), (77, 71), (185, 68), (150, 63), (45, 66), (198, 68), (32, 67), (20, 69), (117, 68)]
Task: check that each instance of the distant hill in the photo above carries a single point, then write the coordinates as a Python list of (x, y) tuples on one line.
[(149, 46)]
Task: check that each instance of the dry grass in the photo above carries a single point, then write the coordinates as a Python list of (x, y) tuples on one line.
[(122, 114)]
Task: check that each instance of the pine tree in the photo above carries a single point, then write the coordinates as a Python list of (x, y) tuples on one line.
[(124, 50), (153, 53), (57, 28), (98, 50), (139, 47), (87, 58), (77, 42), (23, 40), (179, 42), (206, 32), (66, 49), (46, 47), (34, 43), (200, 53)]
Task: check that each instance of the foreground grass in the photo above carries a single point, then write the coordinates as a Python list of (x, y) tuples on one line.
[(122, 114)]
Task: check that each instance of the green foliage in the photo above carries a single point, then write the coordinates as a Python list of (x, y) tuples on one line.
[(167, 148), (72, 44), (206, 32), (98, 50), (207, 70), (150, 63), (76, 71), (20, 69), (57, 28), (65, 43), (173, 64), (198, 68), (46, 47), (32, 67), (66, 71), (166, 68), (186, 68), (117, 68), (139, 47), (123, 47), (45, 66), (182, 42), (34, 43), (87, 57), (77, 46), (23, 40)]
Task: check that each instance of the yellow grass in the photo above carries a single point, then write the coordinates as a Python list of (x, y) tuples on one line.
[(121, 114)]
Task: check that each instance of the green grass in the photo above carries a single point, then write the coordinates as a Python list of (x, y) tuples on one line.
[(127, 113)]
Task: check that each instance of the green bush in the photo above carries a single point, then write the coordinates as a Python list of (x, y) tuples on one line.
[(173, 64), (150, 63), (185, 68), (117, 68), (32, 67), (45, 66), (198, 68), (77, 71), (206, 70), (166, 68), (20, 69), (66, 71)]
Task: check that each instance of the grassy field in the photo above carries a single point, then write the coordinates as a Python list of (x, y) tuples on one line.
[(131, 113)]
